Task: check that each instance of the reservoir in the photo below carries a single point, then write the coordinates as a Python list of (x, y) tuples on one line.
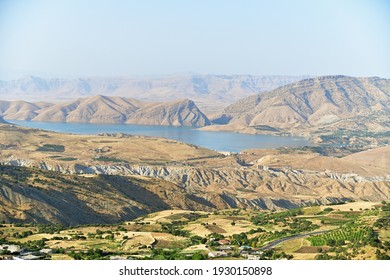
[(219, 141)]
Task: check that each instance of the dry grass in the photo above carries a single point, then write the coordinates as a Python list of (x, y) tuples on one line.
[(165, 216), (292, 245), (315, 162), (84, 148), (311, 210), (221, 224), (355, 206), (384, 235), (84, 244), (311, 249), (304, 256), (86, 230), (166, 240), (61, 257), (196, 248), (198, 229), (137, 239)]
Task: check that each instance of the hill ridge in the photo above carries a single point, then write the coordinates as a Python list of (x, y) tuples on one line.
[(314, 102), (210, 92), (109, 109)]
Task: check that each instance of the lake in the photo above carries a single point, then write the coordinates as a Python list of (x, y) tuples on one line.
[(219, 141)]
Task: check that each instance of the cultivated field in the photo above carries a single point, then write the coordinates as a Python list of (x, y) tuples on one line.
[(357, 230)]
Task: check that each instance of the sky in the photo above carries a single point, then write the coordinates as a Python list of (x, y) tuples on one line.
[(72, 38)]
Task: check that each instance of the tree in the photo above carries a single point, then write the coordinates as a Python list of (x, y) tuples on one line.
[(330, 242), (198, 256)]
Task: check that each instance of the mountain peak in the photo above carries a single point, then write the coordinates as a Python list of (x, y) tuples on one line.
[(315, 102), (109, 109)]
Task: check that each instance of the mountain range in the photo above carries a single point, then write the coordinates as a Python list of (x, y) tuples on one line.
[(321, 102), (210, 92), (104, 109)]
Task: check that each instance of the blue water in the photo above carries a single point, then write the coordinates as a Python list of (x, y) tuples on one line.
[(220, 141)]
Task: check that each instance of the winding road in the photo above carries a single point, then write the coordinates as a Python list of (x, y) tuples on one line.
[(276, 242)]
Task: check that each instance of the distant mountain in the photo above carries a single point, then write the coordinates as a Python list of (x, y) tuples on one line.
[(210, 92), (96, 109), (327, 101), (20, 110), (176, 113), (104, 109)]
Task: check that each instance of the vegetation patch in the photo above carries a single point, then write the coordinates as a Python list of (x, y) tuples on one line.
[(109, 159), (312, 249), (216, 229), (265, 128), (67, 159), (361, 235), (51, 148)]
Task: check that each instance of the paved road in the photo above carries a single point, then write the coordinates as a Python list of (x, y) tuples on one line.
[(276, 242)]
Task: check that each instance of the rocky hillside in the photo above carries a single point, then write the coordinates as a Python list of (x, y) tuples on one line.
[(104, 109), (176, 113), (72, 179), (210, 92), (326, 102), (30, 195)]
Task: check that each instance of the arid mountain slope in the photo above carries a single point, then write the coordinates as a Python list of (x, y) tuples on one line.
[(61, 170), (31, 195), (379, 157), (363, 163), (328, 102), (96, 109), (37, 145), (210, 92), (20, 110), (175, 113), (104, 109)]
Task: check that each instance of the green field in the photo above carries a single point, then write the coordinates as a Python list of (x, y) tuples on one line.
[(228, 234)]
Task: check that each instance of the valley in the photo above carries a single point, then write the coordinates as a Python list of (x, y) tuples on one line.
[(115, 195), (327, 110), (357, 230), (45, 174)]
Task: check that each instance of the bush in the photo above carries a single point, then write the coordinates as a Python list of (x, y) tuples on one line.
[(51, 148), (328, 209), (331, 242)]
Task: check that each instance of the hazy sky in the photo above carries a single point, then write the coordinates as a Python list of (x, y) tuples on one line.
[(73, 38)]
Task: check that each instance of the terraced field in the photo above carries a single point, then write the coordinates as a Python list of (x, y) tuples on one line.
[(235, 234)]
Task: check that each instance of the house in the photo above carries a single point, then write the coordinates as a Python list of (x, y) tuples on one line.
[(46, 251), (253, 257), (263, 167), (245, 248), (117, 258), (224, 242), (29, 257), (216, 254), (10, 248), (225, 248)]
